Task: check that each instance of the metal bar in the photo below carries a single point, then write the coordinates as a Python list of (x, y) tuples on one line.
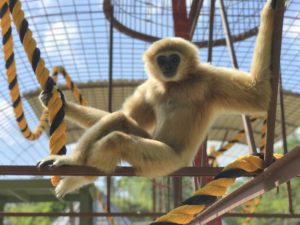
[(284, 140), (228, 37), (2, 206), (79, 214), (108, 194), (275, 67), (136, 214), (110, 72), (177, 187), (277, 173), (264, 215), (211, 30), (203, 163), (90, 171), (180, 20), (193, 16), (154, 195)]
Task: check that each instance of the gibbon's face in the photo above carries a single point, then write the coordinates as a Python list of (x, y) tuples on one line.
[(171, 59), (168, 63)]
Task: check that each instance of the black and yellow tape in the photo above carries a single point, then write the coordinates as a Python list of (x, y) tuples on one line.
[(210, 192)]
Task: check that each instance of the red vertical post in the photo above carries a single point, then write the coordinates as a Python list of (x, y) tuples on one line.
[(184, 26), (180, 19)]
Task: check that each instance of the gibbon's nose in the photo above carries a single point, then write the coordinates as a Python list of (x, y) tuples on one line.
[(169, 71)]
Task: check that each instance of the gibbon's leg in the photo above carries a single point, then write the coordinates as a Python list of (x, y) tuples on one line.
[(116, 121), (149, 157)]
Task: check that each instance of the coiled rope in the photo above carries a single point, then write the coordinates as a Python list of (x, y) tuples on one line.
[(55, 111), (213, 154), (209, 193)]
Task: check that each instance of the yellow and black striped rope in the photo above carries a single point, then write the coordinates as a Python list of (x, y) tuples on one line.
[(109, 218), (70, 84), (55, 104), (263, 136), (12, 80), (213, 154), (209, 193), (250, 207)]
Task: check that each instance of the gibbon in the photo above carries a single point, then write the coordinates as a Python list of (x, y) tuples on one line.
[(160, 127)]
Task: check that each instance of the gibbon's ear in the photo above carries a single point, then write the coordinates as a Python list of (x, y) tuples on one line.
[(167, 47)]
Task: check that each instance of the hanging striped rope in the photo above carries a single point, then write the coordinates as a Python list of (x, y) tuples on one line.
[(100, 199), (263, 136), (250, 207), (55, 105), (213, 154), (12, 80), (70, 84), (209, 193)]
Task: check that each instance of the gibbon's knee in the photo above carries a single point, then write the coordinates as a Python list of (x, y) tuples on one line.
[(107, 152), (118, 121), (114, 140)]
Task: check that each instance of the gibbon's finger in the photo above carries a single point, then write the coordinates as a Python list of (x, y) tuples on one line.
[(273, 4), (45, 163)]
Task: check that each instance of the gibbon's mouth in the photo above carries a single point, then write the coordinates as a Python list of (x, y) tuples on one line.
[(169, 73)]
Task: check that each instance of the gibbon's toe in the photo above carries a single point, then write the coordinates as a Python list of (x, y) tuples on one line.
[(45, 163)]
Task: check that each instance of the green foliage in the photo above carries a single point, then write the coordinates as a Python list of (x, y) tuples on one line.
[(33, 207), (132, 193)]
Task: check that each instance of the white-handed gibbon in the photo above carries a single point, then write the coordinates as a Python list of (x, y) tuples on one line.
[(160, 127)]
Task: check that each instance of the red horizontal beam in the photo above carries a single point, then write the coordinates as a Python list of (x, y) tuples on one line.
[(136, 214), (90, 171)]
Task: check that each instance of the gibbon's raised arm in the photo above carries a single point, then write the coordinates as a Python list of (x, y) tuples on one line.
[(237, 91)]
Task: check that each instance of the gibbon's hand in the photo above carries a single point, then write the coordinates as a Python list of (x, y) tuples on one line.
[(273, 4), (45, 97)]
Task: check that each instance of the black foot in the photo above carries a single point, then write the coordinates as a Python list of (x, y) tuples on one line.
[(45, 163)]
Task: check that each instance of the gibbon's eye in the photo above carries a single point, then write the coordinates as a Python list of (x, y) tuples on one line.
[(161, 60), (175, 59)]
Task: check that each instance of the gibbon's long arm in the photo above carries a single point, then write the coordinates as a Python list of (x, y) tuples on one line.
[(83, 116), (238, 91)]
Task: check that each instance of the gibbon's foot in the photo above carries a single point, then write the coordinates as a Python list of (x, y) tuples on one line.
[(54, 161), (45, 163)]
